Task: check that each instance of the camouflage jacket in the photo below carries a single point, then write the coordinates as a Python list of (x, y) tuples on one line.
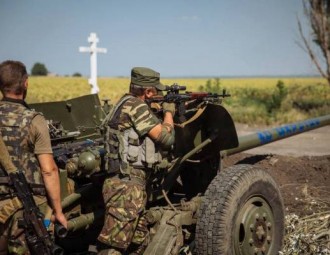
[(126, 142), (15, 121)]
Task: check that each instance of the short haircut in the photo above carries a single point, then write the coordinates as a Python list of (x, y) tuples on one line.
[(13, 75)]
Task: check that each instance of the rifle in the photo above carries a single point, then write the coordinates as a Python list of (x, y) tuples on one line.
[(181, 99), (36, 234)]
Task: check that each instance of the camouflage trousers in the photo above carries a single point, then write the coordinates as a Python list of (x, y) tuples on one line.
[(124, 223), (12, 238)]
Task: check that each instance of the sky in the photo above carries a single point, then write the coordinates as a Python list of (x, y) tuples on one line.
[(178, 38)]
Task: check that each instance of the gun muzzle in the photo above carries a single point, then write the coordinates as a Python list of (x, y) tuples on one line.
[(60, 230)]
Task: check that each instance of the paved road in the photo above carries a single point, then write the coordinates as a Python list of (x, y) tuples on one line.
[(313, 143)]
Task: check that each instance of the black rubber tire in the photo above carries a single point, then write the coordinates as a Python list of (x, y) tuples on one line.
[(241, 214)]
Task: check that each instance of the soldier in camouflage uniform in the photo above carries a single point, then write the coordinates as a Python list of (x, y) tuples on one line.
[(135, 138), (25, 134)]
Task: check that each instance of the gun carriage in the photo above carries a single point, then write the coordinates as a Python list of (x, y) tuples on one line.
[(194, 205)]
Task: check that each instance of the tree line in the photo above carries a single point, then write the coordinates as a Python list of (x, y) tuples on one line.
[(39, 69)]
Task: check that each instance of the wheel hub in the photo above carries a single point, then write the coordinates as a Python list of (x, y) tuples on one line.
[(253, 228)]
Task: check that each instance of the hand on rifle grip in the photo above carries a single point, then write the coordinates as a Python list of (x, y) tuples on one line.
[(169, 107), (155, 107)]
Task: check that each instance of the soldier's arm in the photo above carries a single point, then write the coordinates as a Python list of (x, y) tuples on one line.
[(145, 122), (49, 170), (51, 179), (167, 123), (164, 133)]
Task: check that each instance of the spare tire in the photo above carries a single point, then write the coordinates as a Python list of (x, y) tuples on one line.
[(241, 214)]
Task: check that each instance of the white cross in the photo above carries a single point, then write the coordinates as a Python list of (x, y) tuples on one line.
[(93, 40)]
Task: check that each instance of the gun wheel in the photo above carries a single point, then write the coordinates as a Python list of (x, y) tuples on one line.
[(241, 214)]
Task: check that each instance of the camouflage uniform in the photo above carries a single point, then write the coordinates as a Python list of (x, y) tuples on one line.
[(129, 163), (22, 141)]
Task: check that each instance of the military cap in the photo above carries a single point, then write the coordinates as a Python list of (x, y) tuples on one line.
[(146, 77)]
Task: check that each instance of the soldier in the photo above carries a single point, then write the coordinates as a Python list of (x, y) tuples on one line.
[(133, 143), (26, 136)]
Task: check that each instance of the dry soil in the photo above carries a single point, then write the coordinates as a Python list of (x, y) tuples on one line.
[(299, 164)]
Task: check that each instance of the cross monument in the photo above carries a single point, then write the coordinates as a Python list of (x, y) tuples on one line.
[(93, 40)]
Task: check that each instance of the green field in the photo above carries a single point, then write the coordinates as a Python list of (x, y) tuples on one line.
[(253, 100)]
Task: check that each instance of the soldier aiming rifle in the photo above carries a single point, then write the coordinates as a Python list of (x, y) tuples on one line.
[(184, 101)]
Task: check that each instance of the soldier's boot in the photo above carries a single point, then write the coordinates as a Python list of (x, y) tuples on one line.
[(141, 239)]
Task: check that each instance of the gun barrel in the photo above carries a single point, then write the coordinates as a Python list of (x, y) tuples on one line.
[(69, 200), (274, 134), (80, 222), (72, 198)]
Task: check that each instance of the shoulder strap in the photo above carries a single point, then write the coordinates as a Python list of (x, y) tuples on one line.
[(115, 109)]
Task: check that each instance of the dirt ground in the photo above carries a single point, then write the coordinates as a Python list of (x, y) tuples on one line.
[(300, 165)]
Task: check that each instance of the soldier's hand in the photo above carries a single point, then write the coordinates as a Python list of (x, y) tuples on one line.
[(155, 107), (61, 219), (169, 107)]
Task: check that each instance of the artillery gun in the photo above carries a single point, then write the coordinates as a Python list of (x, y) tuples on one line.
[(194, 206)]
